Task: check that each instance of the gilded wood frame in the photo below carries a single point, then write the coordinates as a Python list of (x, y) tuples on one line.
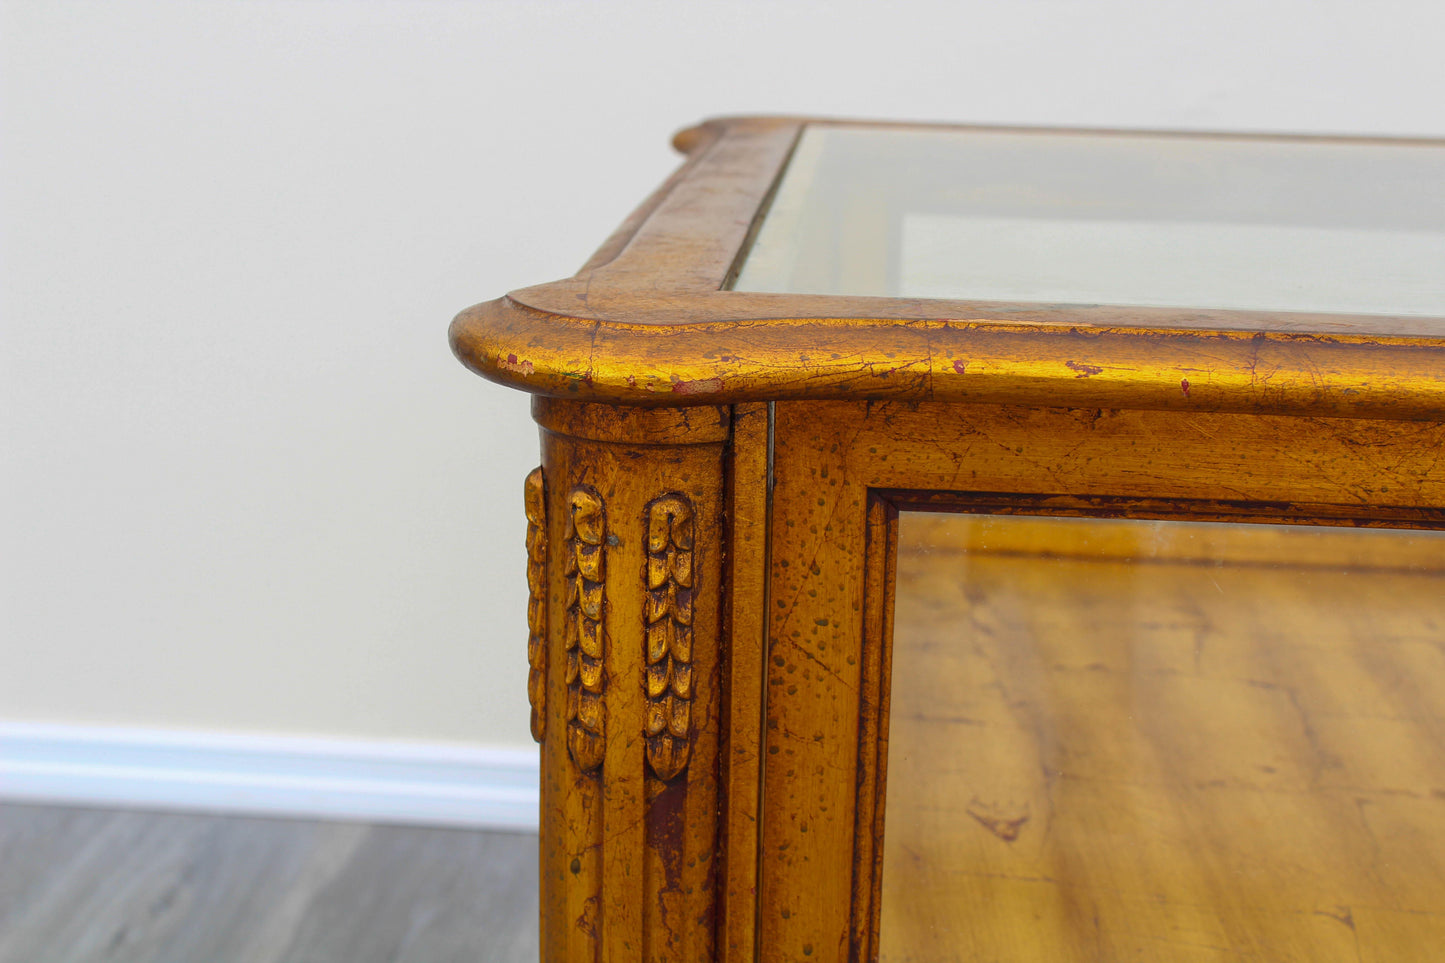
[(712, 532), (844, 470), (649, 321)]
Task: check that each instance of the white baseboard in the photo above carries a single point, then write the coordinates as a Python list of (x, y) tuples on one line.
[(392, 782)]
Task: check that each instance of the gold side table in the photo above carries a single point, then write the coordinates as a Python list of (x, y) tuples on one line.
[(969, 544)]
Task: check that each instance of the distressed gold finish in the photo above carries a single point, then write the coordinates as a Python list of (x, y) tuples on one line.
[(630, 866), (536, 506), (842, 473), (586, 640), (648, 322), (724, 474), (668, 613)]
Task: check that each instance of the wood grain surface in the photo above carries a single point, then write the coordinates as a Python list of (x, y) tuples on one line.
[(1098, 757)]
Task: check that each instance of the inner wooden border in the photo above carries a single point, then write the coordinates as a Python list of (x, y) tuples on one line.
[(880, 568)]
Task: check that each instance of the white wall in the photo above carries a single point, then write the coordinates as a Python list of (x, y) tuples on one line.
[(243, 485)]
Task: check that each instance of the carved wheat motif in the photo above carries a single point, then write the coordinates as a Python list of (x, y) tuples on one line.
[(668, 617), (586, 632), (536, 502)]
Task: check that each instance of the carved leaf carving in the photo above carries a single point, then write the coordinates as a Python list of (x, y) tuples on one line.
[(585, 635), (668, 634), (535, 498)]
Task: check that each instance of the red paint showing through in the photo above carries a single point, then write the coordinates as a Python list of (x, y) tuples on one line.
[(701, 386), (1084, 370)]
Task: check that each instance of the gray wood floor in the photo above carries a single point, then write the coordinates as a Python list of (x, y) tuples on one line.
[(84, 885)]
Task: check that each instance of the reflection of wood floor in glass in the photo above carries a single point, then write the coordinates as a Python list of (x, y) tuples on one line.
[(1094, 760)]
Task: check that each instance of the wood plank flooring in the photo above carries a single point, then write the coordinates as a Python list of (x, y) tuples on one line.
[(81, 885)]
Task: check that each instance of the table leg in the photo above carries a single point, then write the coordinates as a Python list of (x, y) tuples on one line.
[(626, 568)]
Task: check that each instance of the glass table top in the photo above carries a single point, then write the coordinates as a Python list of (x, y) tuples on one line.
[(1101, 218)]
